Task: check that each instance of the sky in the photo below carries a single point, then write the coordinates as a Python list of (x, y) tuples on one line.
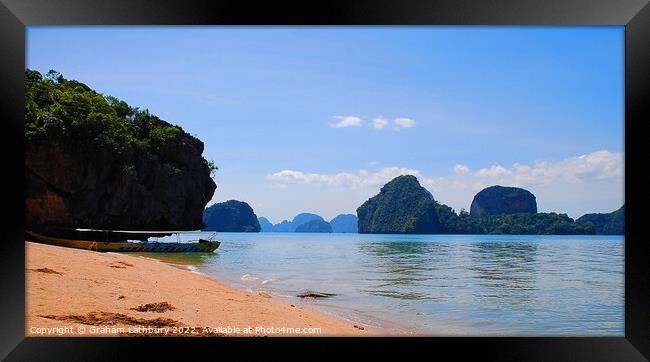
[(317, 119)]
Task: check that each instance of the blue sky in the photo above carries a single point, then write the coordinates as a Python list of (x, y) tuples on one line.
[(316, 119)]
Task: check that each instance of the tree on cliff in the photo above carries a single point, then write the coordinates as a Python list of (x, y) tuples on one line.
[(94, 161)]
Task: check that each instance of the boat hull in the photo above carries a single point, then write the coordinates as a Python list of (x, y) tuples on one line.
[(147, 247)]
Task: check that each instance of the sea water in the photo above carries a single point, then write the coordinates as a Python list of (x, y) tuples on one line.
[(497, 285)]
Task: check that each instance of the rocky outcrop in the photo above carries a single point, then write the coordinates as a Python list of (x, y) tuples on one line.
[(314, 226), (500, 200), (344, 223), (101, 190), (401, 207), (231, 216), (89, 166), (612, 223)]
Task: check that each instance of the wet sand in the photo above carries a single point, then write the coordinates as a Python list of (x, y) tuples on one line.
[(73, 292)]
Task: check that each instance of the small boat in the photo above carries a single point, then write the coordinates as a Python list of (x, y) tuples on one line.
[(202, 245)]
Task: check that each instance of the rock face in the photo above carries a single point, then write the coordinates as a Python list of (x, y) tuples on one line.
[(612, 223), (265, 224), (401, 207), (94, 162), (499, 200), (314, 226), (231, 216), (344, 223), (101, 190)]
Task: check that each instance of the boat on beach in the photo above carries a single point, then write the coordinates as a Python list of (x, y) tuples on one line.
[(201, 245)]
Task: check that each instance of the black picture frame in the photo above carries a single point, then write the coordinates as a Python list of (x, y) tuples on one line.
[(15, 15)]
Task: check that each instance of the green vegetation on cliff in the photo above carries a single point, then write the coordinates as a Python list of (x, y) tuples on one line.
[(93, 161), (401, 207), (517, 223), (57, 109), (612, 223)]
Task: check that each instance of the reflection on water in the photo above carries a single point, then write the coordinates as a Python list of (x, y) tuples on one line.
[(505, 270), (397, 268), (190, 259), (436, 284)]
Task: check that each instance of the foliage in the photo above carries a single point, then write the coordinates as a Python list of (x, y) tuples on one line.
[(72, 114), (212, 167), (612, 223), (402, 206), (519, 223)]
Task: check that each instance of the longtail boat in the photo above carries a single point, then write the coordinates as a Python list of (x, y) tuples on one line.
[(202, 245)]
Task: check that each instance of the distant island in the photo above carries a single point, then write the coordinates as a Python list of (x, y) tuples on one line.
[(612, 223), (314, 226), (231, 216), (404, 206), (401, 207), (343, 223), (500, 200)]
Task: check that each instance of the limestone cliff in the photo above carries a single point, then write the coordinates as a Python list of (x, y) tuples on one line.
[(94, 162)]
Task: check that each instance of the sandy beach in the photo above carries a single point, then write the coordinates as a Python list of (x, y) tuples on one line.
[(73, 292)]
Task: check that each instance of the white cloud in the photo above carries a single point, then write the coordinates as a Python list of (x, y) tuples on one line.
[(587, 183), (599, 165), (346, 121), (361, 178), (401, 123), (379, 123), (461, 169)]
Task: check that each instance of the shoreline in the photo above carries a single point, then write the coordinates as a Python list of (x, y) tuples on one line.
[(377, 326), (73, 292)]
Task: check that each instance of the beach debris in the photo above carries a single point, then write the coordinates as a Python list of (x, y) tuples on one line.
[(154, 307), (47, 271), (121, 297), (106, 318), (312, 294), (292, 305), (359, 327), (122, 265)]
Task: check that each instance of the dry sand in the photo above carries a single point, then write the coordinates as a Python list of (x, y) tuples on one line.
[(73, 292)]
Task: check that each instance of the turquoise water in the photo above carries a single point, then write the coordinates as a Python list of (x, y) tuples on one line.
[(435, 284)]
